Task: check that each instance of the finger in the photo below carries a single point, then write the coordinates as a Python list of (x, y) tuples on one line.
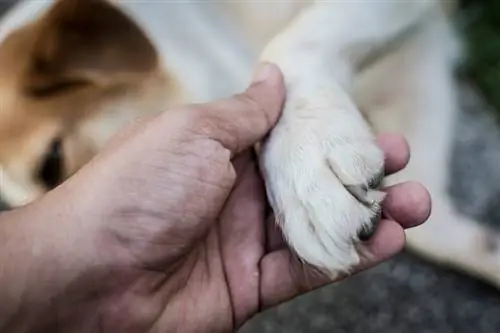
[(240, 219), (242, 120), (284, 277), (241, 232), (241, 161), (274, 235), (407, 203), (387, 241), (397, 152)]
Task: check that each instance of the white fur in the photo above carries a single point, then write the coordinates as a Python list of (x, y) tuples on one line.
[(322, 143)]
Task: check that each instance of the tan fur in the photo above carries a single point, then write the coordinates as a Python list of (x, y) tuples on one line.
[(79, 86)]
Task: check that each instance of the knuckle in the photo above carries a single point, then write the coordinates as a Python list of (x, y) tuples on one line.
[(249, 102), (254, 107), (197, 119), (180, 118)]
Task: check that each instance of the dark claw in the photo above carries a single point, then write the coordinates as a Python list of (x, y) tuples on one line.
[(376, 181), (367, 232), (360, 192)]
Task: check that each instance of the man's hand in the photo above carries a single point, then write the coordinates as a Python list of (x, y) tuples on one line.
[(168, 229)]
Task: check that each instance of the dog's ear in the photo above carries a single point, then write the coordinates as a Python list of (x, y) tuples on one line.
[(86, 42)]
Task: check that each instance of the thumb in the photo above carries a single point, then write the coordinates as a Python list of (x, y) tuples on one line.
[(244, 119)]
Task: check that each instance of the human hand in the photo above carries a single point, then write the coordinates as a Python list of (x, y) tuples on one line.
[(165, 231)]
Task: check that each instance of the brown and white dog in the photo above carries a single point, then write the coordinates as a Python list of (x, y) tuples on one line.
[(75, 71)]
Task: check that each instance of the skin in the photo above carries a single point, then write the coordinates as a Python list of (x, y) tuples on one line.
[(167, 229)]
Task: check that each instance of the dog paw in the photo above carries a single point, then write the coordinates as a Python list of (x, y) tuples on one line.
[(322, 173)]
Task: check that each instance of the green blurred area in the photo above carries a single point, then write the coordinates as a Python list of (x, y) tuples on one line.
[(481, 26)]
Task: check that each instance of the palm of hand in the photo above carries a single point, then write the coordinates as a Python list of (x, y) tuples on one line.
[(218, 285), (239, 267), (202, 277)]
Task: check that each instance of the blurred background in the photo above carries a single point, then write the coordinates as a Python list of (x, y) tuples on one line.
[(406, 294)]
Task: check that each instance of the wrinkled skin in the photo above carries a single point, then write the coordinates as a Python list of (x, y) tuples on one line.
[(165, 231)]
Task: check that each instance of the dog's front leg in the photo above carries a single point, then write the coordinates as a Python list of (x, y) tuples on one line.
[(321, 163)]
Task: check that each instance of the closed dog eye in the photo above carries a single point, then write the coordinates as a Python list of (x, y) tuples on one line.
[(53, 89), (52, 168)]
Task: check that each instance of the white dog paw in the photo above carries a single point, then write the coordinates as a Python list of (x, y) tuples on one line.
[(322, 172)]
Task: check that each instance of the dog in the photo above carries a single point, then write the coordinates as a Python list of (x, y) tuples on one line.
[(76, 71)]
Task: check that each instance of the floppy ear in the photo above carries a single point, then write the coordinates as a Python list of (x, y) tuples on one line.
[(86, 42)]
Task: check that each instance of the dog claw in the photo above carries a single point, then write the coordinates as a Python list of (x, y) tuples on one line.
[(360, 192), (376, 181), (367, 232)]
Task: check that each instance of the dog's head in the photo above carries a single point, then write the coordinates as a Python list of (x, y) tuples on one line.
[(69, 80)]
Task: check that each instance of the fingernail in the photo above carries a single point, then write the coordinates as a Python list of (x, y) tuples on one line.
[(262, 73)]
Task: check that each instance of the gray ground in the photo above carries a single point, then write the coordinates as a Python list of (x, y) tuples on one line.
[(408, 295)]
